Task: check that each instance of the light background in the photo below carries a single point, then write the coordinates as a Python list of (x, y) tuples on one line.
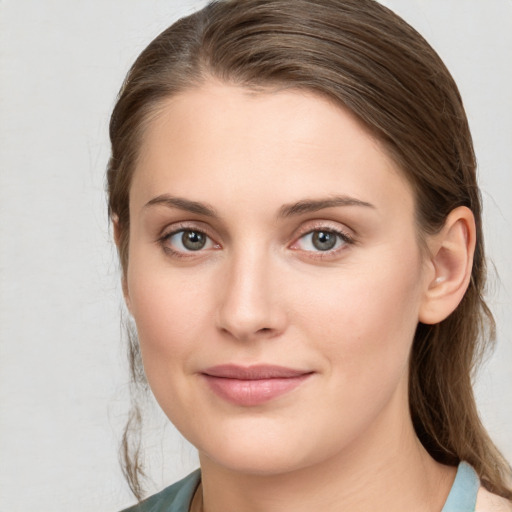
[(63, 380)]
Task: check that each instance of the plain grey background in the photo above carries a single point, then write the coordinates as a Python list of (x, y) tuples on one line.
[(63, 379)]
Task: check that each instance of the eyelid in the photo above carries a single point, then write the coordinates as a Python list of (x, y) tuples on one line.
[(175, 227), (325, 225)]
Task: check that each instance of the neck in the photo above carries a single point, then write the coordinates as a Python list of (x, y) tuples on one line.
[(386, 468)]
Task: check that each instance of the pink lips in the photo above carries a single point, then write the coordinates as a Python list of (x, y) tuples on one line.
[(252, 385)]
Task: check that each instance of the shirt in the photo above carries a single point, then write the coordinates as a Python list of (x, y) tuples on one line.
[(466, 495)]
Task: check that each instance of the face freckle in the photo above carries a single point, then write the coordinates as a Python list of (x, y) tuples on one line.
[(259, 177)]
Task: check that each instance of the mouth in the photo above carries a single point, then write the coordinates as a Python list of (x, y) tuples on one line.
[(253, 385)]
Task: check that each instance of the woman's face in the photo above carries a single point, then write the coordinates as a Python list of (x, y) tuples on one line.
[(274, 276)]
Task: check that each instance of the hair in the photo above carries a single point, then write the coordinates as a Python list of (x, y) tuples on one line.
[(363, 57)]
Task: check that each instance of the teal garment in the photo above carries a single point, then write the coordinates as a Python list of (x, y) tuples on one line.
[(177, 497)]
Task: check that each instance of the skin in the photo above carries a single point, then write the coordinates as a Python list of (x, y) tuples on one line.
[(261, 292)]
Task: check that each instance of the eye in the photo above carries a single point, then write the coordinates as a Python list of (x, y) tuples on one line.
[(321, 240), (187, 240)]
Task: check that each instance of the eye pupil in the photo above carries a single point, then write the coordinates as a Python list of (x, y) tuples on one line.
[(324, 240), (193, 240)]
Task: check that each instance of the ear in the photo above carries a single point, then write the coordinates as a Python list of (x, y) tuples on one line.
[(117, 240), (449, 266), (117, 230)]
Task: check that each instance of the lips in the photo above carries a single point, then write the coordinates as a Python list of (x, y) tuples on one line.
[(253, 385)]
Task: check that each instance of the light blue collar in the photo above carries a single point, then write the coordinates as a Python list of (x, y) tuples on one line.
[(462, 497)]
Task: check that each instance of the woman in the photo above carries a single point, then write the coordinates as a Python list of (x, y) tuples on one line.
[(292, 186)]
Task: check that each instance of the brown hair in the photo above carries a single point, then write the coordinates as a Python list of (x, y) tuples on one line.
[(361, 55)]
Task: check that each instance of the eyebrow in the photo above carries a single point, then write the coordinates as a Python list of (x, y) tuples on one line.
[(314, 205), (183, 204), (287, 210)]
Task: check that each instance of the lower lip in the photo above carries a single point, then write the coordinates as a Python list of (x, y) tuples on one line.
[(253, 392)]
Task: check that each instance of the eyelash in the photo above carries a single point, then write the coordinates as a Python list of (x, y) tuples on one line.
[(182, 229), (341, 236)]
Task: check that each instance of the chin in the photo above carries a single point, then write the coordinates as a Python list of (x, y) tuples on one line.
[(256, 461), (264, 448)]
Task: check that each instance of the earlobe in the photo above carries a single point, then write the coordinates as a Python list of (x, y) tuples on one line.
[(451, 262)]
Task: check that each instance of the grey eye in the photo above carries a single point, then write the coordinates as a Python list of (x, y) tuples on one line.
[(324, 240), (187, 241), (321, 240), (193, 240)]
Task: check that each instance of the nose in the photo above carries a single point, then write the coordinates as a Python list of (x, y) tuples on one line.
[(249, 304)]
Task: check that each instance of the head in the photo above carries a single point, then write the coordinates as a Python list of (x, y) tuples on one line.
[(357, 56)]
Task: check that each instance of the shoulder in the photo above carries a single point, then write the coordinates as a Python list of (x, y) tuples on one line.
[(175, 498), (488, 502)]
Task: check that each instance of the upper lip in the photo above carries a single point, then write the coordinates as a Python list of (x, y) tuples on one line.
[(254, 372)]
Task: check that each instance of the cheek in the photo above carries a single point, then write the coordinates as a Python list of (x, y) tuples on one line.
[(170, 310), (169, 314), (365, 321)]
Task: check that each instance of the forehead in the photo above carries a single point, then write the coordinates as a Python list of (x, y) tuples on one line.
[(237, 143)]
